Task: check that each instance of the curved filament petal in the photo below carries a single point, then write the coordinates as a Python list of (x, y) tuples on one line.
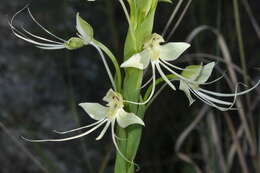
[(80, 128), (69, 138)]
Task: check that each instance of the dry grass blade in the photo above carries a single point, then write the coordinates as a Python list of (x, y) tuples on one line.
[(176, 9), (184, 136), (179, 20), (190, 161), (233, 148), (237, 144), (240, 38), (252, 18), (217, 142), (228, 60), (23, 148)]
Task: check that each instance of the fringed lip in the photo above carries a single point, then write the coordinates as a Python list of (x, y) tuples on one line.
[(38, 41)]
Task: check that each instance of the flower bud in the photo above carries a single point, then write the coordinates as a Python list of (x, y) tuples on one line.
[(74, 43)]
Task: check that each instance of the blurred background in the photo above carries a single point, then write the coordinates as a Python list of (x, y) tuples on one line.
[(40, 90)]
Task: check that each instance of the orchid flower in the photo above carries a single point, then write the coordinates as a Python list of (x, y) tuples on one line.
[(107, 115), (201, 74), (84, 29), (157, 55), (85, 37), (191, 78)]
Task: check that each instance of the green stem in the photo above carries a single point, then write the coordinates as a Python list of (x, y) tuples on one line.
[(115, 63), (132, 84)]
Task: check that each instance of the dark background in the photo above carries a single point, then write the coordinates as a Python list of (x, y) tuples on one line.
[(40, 90)]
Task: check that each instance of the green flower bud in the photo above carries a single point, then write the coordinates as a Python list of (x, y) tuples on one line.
[(74, 43), (85, 29)]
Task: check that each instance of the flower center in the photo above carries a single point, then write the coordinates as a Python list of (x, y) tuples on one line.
[(153, 44), (115, 103)]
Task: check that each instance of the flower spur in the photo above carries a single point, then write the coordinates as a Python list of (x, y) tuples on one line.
[(104, 115)]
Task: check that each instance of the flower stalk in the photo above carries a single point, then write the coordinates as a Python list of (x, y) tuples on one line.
[(143, 25), (125, 105)]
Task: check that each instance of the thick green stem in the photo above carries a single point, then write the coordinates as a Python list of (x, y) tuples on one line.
[(132, 84)]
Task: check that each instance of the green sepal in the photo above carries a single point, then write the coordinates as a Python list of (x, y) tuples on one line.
[(84, 28), (198, 73), (192, 72), (74, 43)]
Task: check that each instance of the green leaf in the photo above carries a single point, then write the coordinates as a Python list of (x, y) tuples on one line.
[(85, 29)]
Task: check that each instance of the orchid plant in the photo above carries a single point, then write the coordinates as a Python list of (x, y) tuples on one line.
[(126, 106)]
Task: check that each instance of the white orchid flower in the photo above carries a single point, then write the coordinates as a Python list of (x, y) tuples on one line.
[(84, 29), (85, 37), (157, 55), (107, 115), (200, 74)]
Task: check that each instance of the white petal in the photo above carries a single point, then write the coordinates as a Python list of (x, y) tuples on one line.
[(172, 51), (140, 60), (69, 138), (100, 136), (164, 77), (40, 38), (95, 110), (185, 88), (80, 128), (34, 42), (206, 72), (212, 99), (124, 119), (43, 27), (210, 103), (229, 95), (176, 67), (109, 96), (51, 47)]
